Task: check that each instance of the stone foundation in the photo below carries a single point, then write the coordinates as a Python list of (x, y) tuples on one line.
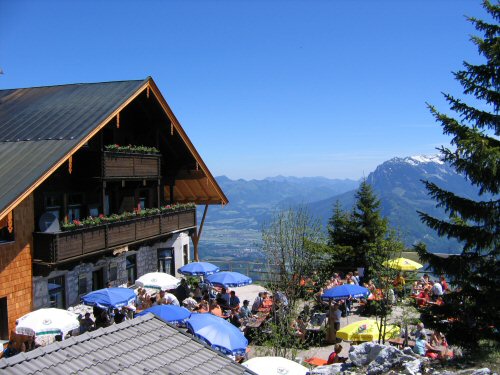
[(146, 261)]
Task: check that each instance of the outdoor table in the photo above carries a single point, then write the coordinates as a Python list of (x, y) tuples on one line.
[(399, 341), (255, 322)]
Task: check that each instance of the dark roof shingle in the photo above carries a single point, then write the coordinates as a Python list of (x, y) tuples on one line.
[(40, 125), (139, 346)]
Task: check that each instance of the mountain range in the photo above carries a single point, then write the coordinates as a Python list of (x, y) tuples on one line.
[(236, 228)]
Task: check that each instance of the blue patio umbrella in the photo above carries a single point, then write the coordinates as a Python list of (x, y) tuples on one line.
[(229, 279), (199, 269), (169, 313), (109, 298), (345, 291), (218, 333)]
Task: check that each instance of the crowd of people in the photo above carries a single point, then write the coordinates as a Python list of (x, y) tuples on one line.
[(426, 291)]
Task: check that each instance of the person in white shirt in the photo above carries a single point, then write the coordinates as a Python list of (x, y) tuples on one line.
[(171, 299), (437, 290)]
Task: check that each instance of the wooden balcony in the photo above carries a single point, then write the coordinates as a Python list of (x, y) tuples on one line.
[(60, 247), (119, 165)]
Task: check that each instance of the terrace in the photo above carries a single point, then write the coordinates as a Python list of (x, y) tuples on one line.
[(59, 247)]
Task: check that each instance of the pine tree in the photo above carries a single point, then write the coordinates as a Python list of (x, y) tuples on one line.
[(357, 237), (371, 228), (475, 153), (339, 230)]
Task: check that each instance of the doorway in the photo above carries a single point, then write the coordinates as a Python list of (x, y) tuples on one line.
[(98, 279), (4, 319)]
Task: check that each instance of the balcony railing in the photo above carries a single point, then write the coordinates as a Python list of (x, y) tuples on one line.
[(130, 165), (59, 247)]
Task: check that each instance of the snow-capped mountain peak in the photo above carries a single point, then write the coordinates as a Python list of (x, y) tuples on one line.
[(423, 159)]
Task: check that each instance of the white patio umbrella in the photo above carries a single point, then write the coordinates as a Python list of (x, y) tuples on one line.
[(275, 365), (158, 280), (47, 322)]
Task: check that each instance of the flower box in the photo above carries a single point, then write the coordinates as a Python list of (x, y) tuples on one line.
[(123, 165), (120, 233), (147, 227)]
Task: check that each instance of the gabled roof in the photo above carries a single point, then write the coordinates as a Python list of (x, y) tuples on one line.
[(142, 345), (41, 127)]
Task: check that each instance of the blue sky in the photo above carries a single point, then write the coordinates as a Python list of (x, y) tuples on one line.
[(297, 88)]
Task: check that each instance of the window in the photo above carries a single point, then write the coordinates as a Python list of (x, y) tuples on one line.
[(166, 260), (53, 204), (131, 266), (7, 228), (113, 272), (94, 210), (57, 292), (144, 199), (82, 284), (74, 206), (4, 319), (185, 251)]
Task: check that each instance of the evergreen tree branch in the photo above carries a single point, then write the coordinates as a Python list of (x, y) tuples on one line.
[(480, 212)]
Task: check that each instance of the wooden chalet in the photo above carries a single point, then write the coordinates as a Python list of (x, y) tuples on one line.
[(113, 151)]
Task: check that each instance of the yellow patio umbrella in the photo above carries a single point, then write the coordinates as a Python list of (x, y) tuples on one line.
[(366, 330), (402, 264)]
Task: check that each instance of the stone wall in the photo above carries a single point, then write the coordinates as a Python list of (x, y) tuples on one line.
[(146, 261)]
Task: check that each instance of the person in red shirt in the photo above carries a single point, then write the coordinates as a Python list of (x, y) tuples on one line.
[(444, 284), (423, 297), (334, 356)]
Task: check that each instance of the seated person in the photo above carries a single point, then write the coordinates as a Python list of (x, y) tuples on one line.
[(245, 311), (300, 328), (438, 339), (436, 291), (371, 286), (234, 319), (234, 301), (281, 299), (144, 299), (415, 289), (423, 297), (425, 279), (444, 284), (86, 324), (102, 319), (197, 293), (420, 333), (160, 298), (182, 291), (267, 300), (120, 316), (257, 303), (422, 346), (215, 309), (9, 351), (190, 303), (334, 356), (224, 298), (170, 299), (202, 307)]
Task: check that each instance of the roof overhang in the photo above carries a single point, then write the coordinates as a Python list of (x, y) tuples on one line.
[(198, 186)]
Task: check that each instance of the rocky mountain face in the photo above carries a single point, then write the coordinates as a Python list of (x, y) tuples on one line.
[(397, 183)]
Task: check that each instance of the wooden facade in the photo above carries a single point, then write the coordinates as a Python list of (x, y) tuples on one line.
[(15, 264), (74, 176)]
